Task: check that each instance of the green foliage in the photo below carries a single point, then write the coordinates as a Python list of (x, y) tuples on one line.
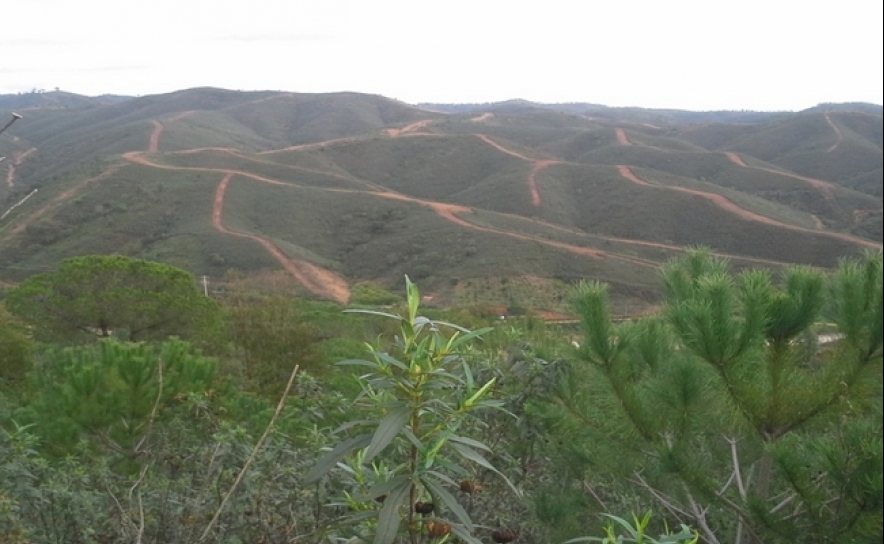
[(100, 296), (112, 390), (15, 350), (635, 532), (729, 413), (726, 412), (373, 295), (418, 399), (271, 336)]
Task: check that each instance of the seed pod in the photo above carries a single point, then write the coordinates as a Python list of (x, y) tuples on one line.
[(469, 487), (502, 536), (438, 528), (423, 507)]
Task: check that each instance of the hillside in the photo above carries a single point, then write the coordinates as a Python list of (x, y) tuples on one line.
[(503, 203)]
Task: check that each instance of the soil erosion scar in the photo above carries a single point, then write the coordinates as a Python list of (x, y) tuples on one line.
[(319, 281)]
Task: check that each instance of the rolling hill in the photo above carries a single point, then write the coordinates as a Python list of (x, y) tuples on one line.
[(502, 203)]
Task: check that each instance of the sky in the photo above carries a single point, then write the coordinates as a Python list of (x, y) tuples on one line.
[(769, 55)]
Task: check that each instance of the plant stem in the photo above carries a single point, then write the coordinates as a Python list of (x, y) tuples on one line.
[(251, 458)]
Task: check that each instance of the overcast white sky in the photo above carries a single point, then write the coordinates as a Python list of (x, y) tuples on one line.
[(689, 54)]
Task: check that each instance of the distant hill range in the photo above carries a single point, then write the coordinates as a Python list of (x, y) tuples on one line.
[(503, 203)]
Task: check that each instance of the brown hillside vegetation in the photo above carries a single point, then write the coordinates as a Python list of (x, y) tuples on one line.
[(343, 188)]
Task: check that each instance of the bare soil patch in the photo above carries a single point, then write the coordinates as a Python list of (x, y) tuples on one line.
[(736, 159)]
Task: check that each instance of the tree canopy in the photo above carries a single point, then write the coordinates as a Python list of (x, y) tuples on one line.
[(101, 296)]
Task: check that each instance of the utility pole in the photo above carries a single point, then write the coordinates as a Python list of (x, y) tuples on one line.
[(15, 117)]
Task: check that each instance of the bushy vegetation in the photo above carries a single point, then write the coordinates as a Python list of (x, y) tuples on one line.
[(747, 410)]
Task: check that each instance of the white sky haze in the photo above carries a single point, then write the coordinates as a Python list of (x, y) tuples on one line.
[(687, 54)]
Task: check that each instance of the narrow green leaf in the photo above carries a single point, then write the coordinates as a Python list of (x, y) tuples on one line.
[(472, 455), (443, 477), (469, 442), (448, 499), (458, 327), (357, 362), (464, 535), (412, 438), (374, 312), (468, 374), (478, 394), (387, 358), (388, 429), (414, 299), (385, 487), (329, 460), (388, 518), (466, 337)]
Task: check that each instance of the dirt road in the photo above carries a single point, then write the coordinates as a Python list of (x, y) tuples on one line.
[(56, 201), (329, 285), (317, 280), (736, 159), (17, 159), (539, 164), (483, 117), (825, 186), (729, 206), (413, 128), (450, 212), (154, 144), (839, 137)]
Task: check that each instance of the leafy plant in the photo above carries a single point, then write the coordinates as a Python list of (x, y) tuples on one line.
[(636, 532), (420, 397)]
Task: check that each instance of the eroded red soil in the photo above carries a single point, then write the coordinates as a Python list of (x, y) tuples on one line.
[(154, 144), (483, 117), (729, 206), (736, 159), (539, 164), (413, 128), (317, 280)]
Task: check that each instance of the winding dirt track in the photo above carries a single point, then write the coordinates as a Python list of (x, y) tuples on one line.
[(17, 159), (825, 186), (729, 206), (317, 280), (329, 285), (539, 164), (57, 201), (449, 212), (413, 128), (154, 144), (838, 135)]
